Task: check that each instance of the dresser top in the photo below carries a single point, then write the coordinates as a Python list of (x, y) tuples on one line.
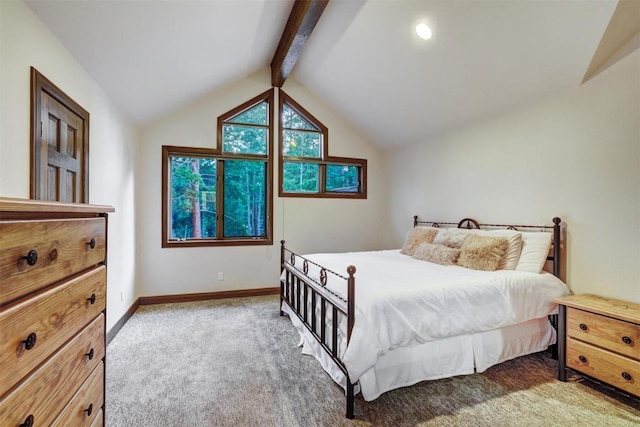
[(23, 205), (610, 307)]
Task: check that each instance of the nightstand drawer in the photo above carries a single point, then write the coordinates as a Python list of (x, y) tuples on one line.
[(616, 370), (34, 254), (613, 334)]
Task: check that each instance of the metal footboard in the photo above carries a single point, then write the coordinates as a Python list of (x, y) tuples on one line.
[(318, 308)]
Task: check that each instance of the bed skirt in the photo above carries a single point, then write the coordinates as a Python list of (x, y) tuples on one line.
[(444, 358)]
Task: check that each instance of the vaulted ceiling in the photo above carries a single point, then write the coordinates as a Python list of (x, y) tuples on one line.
[(363, 58)]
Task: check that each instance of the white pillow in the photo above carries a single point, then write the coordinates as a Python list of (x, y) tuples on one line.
[(535, 250), (514, 250)]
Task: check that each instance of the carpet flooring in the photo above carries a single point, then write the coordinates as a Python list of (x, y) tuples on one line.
[(234, 362)]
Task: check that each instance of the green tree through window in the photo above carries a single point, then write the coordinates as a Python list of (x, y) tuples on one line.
[(193, 208), (306, 169), (222, 196)]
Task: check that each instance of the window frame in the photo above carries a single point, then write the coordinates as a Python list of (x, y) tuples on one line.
[(218, 154), (322, 162)]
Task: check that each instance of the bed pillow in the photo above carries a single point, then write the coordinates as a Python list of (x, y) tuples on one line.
[(415, 237), (482, 252), (438, 254), (535, 250), (453, 237), (512, 256)]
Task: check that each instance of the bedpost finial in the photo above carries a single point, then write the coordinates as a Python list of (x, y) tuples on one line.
[(281, 242), (557, 221), (351, 270)]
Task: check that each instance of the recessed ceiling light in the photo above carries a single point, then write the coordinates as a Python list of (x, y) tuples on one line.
[(423, 31)]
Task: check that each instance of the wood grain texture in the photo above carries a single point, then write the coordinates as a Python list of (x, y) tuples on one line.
[(49, 101), (46, 392), (98, 420), (52, 306), (605, 332), (604, 365), (54, 316), (623, 310), (62, 248), (303, 18), (10, 205), (86, 404), (602, 340)]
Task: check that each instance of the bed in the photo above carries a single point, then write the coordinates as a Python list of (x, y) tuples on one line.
[(456, 299)]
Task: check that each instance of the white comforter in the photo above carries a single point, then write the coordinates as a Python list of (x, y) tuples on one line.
[(401, 301)]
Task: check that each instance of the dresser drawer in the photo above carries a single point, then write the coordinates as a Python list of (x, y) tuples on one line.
[(58, 248), (51, 317), (98, 421), (45, 393), (87, 402), (616, 370), (613, 334)]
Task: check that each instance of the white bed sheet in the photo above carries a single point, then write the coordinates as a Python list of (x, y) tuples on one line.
[(404, 302)]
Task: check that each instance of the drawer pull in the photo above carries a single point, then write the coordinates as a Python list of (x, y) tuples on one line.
[(30, 342), (627, 376), (28, 422), (627, 340), (92, 299), (90, 354), (89, 410), (31, 257), (582, 359), (583, 327), (92, 243)]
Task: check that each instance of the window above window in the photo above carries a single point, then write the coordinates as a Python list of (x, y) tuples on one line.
[(306, 169), (222, 196), (246, 132)]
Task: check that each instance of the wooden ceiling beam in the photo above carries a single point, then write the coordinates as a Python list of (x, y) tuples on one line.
[(302, 20)]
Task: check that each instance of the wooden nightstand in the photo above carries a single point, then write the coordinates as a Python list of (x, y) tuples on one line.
[(599, 337)]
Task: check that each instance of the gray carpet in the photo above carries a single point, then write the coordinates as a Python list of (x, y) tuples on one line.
[(234, 362)]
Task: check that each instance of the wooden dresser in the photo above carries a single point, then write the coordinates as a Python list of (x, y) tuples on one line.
[(53, 280), (600, 338)]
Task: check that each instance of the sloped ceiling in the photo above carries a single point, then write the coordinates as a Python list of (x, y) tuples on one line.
[(152, 56), (363, 58)]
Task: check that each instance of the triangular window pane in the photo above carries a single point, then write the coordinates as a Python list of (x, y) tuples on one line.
[(292, 120), (256, 115)]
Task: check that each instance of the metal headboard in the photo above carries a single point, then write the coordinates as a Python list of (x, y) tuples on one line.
[(470, 223)]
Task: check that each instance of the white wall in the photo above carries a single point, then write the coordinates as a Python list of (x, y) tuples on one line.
[(26, 42), (575, 155), (306, 224)]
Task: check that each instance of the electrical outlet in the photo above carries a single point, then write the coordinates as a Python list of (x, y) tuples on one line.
[(220, 276)]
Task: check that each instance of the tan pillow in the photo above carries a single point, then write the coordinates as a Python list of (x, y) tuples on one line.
[(482, 252), (512, 256), (453, 237), (439, 254), (415, 237)]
